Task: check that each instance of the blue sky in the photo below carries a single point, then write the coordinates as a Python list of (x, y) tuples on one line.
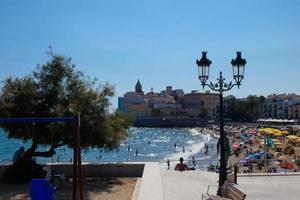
[(157, 41)]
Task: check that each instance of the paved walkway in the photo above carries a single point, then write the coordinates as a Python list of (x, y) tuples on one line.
[(191, 184), (270, 187), (186, 185), (151, 187), (162, 184)]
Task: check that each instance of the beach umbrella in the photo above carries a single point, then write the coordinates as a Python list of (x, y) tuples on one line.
[(277, 134), (280, 158), (277, 143), (251, 131), (236, 146), (285, 132), (258, 155), (292, 137), (245, 161), (247, 158)]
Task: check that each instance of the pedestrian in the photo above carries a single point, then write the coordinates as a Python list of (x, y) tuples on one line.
[(193, 162), (218, 146), (206, 149), (183, 149), (168, 162), (136, 152)]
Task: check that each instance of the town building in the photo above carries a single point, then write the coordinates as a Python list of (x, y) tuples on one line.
[(294, 111), (168, 103), (276, 106), (199, 104)]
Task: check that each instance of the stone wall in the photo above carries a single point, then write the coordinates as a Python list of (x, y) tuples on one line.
[(96, 169)]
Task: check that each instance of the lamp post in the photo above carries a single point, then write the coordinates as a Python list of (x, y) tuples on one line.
[(238, 67)]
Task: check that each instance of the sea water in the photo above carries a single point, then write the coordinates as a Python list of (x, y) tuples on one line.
[(142, 144)]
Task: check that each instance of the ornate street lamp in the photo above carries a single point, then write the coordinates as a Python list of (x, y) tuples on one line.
[(238, 67), (203, 68)]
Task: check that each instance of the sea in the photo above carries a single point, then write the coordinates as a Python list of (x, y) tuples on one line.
[(142, 144)]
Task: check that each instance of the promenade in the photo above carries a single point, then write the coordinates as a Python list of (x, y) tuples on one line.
[(190, 185)]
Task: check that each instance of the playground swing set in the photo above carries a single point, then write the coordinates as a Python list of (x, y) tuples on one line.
[(77, 175)]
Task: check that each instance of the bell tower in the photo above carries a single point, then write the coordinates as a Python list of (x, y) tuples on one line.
[(138, 87)]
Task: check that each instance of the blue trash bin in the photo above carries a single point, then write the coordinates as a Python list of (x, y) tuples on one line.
[(41, 189)]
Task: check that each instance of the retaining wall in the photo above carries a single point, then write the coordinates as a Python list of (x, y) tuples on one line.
[(96, 169)]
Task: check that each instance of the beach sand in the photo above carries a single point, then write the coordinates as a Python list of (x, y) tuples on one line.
[(256, 147), (114, 188)]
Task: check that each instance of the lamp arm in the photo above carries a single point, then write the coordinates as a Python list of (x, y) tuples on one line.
[(212, 86), (221, 86), (229, 86)]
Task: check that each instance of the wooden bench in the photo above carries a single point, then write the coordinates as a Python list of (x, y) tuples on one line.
[(229, 191)]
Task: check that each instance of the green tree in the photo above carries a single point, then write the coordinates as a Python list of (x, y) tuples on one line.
[(248, 109), (203, 112), (57, 89), (155, 112)]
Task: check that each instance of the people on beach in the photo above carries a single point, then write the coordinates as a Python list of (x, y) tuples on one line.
[(181, 166), (193, 162), (168, 162), (183, 149), (136, 152), (250, 167), (218, 146), (206, 149)]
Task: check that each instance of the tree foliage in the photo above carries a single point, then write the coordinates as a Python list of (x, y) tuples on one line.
[(57, 89), (249, 109), (203, 111)]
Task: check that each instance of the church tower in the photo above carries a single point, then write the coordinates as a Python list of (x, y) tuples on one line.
[(138, 87)]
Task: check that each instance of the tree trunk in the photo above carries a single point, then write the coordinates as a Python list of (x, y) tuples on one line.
[(31, 152)]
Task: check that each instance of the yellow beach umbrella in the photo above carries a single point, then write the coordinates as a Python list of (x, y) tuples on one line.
[(275, 140), (277, 134), (277, 143), (284, 132), (292, 137)]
